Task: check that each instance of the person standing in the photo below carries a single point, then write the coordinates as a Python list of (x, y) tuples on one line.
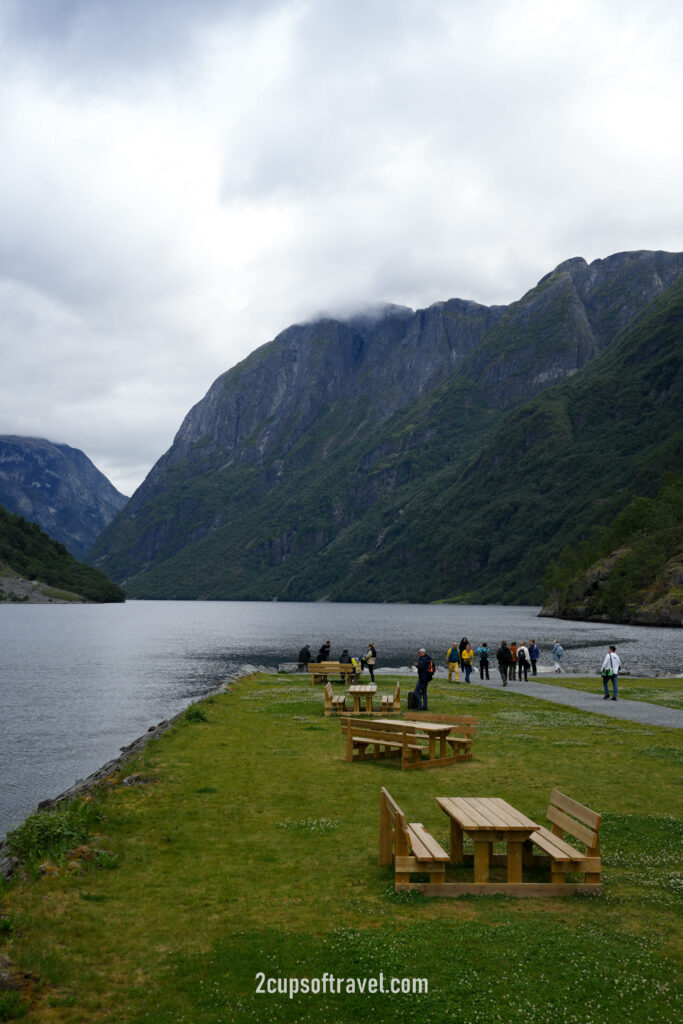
[(611, 667), (466, 660), (513, 654), (453, 662), (304, 657), (504, 659), (534, 655), (370, 660), (324, 652), (425, 671), (483, 652), (558, 651), (523, 662)]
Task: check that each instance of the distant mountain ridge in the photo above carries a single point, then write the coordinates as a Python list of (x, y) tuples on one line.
[(337, 461), (57, 487)]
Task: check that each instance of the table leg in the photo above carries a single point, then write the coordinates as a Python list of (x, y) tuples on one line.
[(356, 703), (368, 702), (481, 860), (515, 849), (456, 843), (432, 748)]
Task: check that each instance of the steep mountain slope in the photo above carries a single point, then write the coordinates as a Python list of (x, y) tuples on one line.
[(337, 461), (28, 554), (57, 487)]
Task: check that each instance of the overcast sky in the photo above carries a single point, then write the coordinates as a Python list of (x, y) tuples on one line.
[(180, 181)]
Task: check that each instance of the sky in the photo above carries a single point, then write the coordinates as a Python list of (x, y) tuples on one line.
[(180, 182)]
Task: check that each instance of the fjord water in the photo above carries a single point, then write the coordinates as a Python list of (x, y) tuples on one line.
[(79, 682)]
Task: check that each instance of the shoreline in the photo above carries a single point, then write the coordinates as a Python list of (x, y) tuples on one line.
[(81, 786)]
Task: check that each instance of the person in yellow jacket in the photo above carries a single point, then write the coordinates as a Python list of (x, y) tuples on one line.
[(466, 660), (453, 662)]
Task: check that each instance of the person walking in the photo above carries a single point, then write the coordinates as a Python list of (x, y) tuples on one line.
[(483, 651), (425, 671), (534, 655), (466, 660), (558, 651), (370, 660), (611, 667), (453, 662), (504, 659), (523, 662)]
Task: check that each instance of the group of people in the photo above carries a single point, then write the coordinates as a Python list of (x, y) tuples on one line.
[(369, 661), (513, 657)]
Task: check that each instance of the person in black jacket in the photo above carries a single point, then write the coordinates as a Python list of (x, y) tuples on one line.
[(425, 671), (304, 657), (504, 659), (324, 652)]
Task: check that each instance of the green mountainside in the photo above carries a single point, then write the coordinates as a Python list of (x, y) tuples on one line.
[(31, 554), (630, 572), (447, 454)]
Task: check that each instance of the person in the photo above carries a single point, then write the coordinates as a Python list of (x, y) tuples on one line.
[(523, 662), (453, 662), (425, 671), (466, 659), (324, 652), (344, 659), (461, 646), (370, 660), (513, 654), (610, 670), (483, 652), (304, 657), (558, 651), (534, 655), (504, 659)]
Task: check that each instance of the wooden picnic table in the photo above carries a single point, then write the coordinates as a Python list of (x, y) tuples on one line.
[(487, 820), (359, 690), (432, 730)]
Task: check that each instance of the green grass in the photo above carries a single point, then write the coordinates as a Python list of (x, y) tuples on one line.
[(252, 851), (664, 692)]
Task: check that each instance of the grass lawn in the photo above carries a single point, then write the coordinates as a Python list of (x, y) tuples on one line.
[(665, 692), (246, 855)]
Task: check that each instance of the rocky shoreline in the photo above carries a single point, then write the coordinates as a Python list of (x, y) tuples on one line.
[(8, 863)]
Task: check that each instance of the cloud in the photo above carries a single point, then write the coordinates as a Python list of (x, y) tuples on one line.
[(181, 181)]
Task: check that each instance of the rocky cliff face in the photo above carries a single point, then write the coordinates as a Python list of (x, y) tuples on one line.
[(59, 488), (322, 440)]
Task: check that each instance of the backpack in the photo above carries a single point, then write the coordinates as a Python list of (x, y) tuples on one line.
[(412, 700), (521, 656), (431, 669)]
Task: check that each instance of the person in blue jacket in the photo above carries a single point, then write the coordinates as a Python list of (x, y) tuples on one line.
[(425, 672), (534, 655)]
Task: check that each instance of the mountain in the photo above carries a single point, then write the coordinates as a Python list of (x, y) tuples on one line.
[(427, 455), (631, 571), (36, 568), (57, 487)]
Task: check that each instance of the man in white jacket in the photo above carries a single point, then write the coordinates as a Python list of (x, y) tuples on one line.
[(610, 670)]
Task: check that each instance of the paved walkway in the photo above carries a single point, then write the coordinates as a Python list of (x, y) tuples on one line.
[(628, 710)]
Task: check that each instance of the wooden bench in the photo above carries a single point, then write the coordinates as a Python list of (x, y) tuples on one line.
[(570, 817), (413, 742), (464, 728), (334, 703), (387, 739), (392, 702), (409, 846), (320, 670)]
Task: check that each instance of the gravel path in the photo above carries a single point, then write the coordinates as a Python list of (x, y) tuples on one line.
[(628, 710)]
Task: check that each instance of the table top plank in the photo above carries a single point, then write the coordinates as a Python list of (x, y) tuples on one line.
[(485, 813)]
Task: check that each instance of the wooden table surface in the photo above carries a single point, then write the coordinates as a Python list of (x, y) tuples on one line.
[(487, 820)]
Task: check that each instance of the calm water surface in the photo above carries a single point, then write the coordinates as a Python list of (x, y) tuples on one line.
[(79, 682)]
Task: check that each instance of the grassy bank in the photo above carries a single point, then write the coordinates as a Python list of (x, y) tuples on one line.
[(666, 692), (247, 846)]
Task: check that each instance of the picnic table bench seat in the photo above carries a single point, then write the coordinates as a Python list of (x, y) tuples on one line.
[(409, 846), (569, 817), (392, 701), (334, 703), (464, 728), (320, 670)]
